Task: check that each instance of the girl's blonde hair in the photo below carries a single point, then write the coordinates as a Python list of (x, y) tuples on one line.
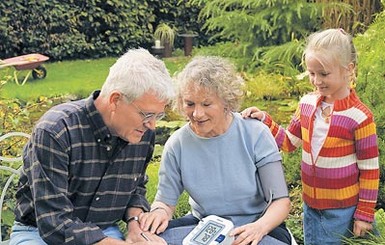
[(333, 45)]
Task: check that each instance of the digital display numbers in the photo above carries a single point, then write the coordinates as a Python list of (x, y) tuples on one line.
[(210, 231)]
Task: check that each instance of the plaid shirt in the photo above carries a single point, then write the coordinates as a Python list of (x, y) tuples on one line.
[(77, 178)]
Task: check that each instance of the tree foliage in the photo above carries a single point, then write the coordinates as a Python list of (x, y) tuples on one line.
[(269, 33), (356, 19), (260, 23)]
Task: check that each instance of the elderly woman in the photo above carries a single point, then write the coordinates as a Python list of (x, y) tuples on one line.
[(230, 167)]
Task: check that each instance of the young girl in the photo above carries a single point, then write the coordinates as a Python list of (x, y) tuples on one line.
[(339, 168)]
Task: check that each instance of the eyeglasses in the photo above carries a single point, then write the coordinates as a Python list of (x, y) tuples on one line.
[(147, 117)]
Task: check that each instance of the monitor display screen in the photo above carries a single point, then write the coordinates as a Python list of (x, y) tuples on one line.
[(210, 231)]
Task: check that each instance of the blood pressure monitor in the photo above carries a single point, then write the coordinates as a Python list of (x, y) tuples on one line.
[(211, 230)]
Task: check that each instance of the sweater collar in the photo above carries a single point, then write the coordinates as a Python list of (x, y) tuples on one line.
[(345, 103)]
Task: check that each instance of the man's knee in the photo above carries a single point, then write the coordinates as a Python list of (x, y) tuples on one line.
[(25, 235)]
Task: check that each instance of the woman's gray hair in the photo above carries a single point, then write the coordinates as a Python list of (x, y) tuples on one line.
[(215, 74), (137, 72)]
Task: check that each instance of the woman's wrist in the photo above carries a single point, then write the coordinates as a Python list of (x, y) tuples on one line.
[(160, 207)]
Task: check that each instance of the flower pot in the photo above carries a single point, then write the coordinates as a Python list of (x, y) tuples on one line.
[(188, 43), (167, 49)]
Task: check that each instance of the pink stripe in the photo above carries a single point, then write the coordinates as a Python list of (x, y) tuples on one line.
[(334, 173), (280, 137), (367, 142), (344, 121), (306, 109), (368, 194)]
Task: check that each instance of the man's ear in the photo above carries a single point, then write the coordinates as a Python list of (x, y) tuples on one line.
[(113, 100)]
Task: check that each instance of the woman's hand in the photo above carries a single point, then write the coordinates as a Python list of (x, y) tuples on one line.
[(253, 233), (155, 221), (253, 112), (249, 234)]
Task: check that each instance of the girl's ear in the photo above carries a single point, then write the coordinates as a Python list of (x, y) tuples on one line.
[(351, 68), (352, 75)]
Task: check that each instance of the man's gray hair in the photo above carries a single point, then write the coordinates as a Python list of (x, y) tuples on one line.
[(137, 72)]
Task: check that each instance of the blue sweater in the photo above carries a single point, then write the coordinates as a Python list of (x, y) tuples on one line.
[(219, 173)]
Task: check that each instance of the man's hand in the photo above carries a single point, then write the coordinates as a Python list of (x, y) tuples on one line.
[(147, 243), (146, 238), (112, 241)]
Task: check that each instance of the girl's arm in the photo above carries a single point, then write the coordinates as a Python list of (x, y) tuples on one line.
[(288, 139)]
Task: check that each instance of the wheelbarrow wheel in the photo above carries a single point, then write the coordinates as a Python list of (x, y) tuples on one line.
[(39, 72)]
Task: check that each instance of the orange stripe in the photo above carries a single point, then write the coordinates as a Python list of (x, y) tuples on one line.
[(331, 142), (343, 193), (369, 184), (364, 132)]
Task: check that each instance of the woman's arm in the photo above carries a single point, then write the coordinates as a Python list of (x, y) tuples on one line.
[(274, 187)]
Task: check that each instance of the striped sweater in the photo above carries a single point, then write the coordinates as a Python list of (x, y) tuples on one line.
[(346, 172)]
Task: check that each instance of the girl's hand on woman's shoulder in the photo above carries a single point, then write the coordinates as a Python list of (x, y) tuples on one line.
[(252, 112)]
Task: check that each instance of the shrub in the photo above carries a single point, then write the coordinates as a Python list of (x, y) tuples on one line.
[(89, 29), (371, 78), (255, 26)]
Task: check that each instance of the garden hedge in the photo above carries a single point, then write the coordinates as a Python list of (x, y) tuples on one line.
[(72, 29)]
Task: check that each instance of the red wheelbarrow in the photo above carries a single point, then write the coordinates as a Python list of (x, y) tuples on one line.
[(32, 62)]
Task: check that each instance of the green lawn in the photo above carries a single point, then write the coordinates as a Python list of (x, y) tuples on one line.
[(79, 77), (152, 171)]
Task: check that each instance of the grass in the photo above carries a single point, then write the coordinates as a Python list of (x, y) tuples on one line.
[(152, 171), (78, 77), (68, 77)]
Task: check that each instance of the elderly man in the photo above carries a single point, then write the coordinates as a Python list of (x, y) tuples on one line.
[(84, 166)]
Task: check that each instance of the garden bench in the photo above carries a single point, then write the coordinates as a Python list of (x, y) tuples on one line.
[(10, 173)]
